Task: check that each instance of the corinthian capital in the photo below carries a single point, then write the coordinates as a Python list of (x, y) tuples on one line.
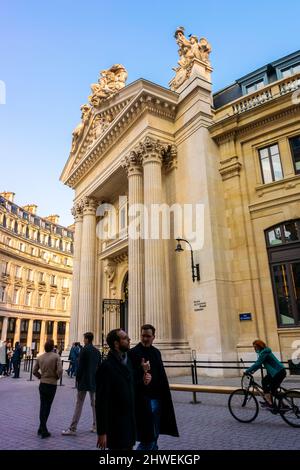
[(89, 205), (153, 150), (76, 211), (132, 163), (150, 150)]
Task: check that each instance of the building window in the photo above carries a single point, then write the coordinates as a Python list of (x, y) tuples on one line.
[(53, 280), (254, 86), (30, 275), (28, 298), (9, 241), (22, 247), (65, 283), (36, 326), (52, 301), (11, 325), (270, 164), (24, 326), (18, 272), (295, 149), (2, 293), (61, 328), (4, 268), (288, 71), (283, 244), (50, 327), (41, 277), (16, 296), (16, 228)]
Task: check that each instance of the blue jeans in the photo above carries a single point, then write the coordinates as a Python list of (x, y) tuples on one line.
[(156, 409)]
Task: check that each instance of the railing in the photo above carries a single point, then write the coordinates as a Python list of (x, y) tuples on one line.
[(252, 101), (258, 98)]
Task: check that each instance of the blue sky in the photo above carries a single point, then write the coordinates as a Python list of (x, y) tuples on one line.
[(51, 51)]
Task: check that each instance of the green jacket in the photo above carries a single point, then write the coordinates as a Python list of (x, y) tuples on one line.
[(267, 359)]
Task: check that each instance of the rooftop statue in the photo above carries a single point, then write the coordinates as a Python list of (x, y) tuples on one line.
[(110, 82), (189, 50)]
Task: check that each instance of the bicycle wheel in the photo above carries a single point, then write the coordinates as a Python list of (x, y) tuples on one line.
[(243, 406), (289, 408)]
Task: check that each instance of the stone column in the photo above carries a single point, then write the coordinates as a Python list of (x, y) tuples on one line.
[(17, 330), (29, 334), (67, 334), (87, 268), (78, 216), (4, 329), (54, 334), (43, 335), (136, 265), (157, 292)]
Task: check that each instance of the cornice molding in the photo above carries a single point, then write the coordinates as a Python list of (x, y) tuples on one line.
[(240, 129)]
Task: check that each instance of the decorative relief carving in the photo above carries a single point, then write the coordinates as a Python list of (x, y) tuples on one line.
[(110, 82)]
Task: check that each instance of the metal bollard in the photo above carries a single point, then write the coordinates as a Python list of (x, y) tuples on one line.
[(60, 382), (31, 368)]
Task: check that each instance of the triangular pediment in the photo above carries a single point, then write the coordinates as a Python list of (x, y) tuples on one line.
[(105, 123)]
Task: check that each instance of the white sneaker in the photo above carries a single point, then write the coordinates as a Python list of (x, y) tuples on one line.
[(69, 432), (93, 429)]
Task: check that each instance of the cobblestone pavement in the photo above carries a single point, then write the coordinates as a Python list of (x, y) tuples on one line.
[(207, 425)]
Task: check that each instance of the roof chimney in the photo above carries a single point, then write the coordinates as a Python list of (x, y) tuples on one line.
[(54, 218), (8, 195), (30, 208)]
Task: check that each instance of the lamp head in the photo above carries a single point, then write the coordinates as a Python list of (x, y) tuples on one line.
[(178, 247)]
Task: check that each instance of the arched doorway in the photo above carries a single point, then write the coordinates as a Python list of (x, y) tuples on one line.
[(124, 305)]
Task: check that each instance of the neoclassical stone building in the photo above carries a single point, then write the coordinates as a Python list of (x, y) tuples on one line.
[(236, 155), (36, 275)]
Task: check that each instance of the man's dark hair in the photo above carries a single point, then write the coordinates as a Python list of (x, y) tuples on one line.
[(113, 336), (49, 345), (89, 336), (148, 327)]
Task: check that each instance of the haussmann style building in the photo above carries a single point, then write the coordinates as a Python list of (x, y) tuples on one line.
[(236, 154), (36, 276)]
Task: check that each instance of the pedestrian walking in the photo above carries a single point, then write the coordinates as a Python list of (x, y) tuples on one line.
[(89, 360), (47, 368)]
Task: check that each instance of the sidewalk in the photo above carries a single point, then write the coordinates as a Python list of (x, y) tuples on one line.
[(207, 425)]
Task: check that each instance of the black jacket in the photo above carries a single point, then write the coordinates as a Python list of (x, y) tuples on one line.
[(115, 403), (143, 406), (89, 360)]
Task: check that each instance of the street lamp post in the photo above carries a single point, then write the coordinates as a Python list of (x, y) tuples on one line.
[(195, 267)]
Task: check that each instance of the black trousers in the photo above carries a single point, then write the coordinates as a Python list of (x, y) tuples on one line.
[(270, 384), (17, 369), (47, 394)]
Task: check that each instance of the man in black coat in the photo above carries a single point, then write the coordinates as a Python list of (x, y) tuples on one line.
[(115, 410), (16, 360), (89, 360), (154, 407)]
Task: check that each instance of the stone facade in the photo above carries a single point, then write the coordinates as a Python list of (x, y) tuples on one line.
[(36, 257), (162, 146)]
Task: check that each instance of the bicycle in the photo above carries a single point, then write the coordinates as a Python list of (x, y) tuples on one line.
[(244, 407)]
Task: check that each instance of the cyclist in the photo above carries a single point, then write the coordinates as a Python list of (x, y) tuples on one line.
[(275, 370)]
